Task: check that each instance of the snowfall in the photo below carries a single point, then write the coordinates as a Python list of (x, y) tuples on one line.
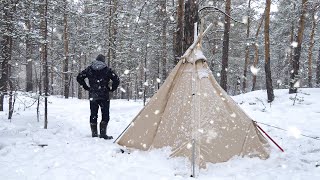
[(66, 149)]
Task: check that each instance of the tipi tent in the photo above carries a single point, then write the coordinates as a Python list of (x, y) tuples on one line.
[(194, 116)]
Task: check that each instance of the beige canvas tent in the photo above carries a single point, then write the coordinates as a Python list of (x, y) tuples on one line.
[(195, 117)]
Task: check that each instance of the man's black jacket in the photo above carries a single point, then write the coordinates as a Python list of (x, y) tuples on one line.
[(99, 76)]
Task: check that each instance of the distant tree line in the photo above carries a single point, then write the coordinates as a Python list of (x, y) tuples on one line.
[(44, 44)]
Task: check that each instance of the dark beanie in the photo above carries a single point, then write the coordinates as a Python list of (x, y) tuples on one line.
[(101, 58)]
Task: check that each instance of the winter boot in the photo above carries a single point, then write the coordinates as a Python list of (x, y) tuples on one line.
[(94, 129), (103, 131)]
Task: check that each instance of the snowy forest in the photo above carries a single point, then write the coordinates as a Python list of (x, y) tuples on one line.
[(266, 45)]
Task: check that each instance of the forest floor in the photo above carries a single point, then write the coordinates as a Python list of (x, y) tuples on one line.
[(66, 150)]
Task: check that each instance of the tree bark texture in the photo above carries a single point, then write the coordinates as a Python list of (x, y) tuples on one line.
[(246, 61), (318, 69), (178, 50), (163, 12), (44, 55), (190, 17), (225, 48), (9, 7), (267, 52), (112, 31), (29, 79), (256, 53), (294, 77), (66, 52), (311, 44)]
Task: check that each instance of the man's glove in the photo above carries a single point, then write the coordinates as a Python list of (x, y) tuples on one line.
[(86, 87)]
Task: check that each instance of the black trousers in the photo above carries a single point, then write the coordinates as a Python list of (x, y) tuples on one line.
[(94, 107)]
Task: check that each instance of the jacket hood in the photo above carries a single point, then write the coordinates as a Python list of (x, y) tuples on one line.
[(98, 65)]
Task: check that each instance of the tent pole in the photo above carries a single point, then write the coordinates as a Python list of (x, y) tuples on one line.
[(269, 137), (122, 132)]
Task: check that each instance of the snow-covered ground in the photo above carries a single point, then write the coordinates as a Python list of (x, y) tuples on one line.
[(70, 153)]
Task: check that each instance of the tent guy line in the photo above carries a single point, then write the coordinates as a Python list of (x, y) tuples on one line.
[(312, 137)]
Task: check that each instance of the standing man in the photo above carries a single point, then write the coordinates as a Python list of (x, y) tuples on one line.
[(99, 75)]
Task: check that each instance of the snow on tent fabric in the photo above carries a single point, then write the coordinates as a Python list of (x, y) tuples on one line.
[(191, 107)]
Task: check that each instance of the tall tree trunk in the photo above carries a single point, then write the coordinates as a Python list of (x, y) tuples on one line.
[(112, 31), (267, 52), (44, 55), (29, 79), (291, 47), (66, 52), (178, 41), (294, 78), (256, 53), (79, 86), (11, 99), (190, 17), (52, 70), (225, 48), (163, 12), (145, 63), (6, 47), (318, 69), (311, 43), (246, 61)]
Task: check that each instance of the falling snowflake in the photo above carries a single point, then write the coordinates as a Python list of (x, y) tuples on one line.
[(296, 84), (158, 80), (200, 131), (156, 112), (218, 74), (294, 131), (220, 24), (144, 146), (254, 70), (189, 146), (146, 83), (233, 115), (171, 18), (123, 90), (126, 71), (245, 19), (294, 44)]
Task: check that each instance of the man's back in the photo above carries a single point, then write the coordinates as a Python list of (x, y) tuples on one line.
[(99, 76)]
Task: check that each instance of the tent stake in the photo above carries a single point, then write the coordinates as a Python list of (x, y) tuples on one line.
[(269, 137)]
